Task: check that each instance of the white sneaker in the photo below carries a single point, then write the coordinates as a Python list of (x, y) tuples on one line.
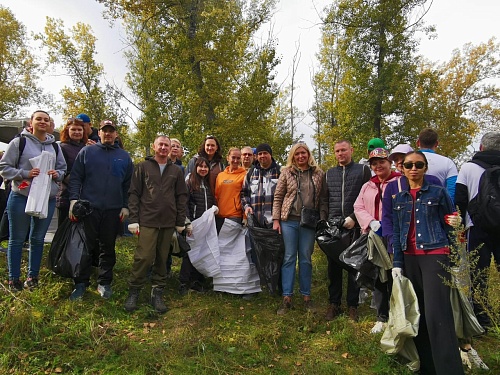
[(472, 360), (378, 327)]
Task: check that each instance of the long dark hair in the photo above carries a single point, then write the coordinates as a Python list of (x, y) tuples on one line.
[(196, 180), (218, 153)]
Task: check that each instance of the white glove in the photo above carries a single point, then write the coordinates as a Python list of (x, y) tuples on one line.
[(349, 223), (124, 212), (70, 213), (375, 225), (189, 229), (134, 228), (216, 210), (180, 229), (397, 272)]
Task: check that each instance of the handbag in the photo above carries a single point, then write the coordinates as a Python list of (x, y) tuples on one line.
[(309, 217)]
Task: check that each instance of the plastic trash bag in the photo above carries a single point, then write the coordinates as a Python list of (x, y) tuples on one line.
[(179, 246), (356, 256), (68, 252), (333, 239), (269, 251)]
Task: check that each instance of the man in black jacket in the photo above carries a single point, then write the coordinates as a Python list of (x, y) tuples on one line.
[(466, 189), (340, 189)]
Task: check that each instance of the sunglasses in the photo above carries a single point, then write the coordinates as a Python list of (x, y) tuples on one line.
[(417, 164)]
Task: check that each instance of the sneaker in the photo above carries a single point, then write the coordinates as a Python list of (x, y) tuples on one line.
[(15, 285), (378, 327), (332, 312), (472, 360), (105, 291), (183, 289), (78, 292), (309, 306), (31, 283), (285, 306), (353, 313)]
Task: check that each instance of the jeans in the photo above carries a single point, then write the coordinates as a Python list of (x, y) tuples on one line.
[(298, 241), (19, 225)]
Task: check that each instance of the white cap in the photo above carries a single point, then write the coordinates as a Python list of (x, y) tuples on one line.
[(402, 148)]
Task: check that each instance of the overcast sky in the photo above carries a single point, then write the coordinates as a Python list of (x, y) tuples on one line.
[(457, 22)]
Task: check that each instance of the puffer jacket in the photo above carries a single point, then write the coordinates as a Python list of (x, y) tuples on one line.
[(286, 191)]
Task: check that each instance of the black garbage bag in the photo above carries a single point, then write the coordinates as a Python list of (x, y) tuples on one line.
[(183, 246), (81, 209), (68, 252), (269, 251), (356, 256), (332, 238)]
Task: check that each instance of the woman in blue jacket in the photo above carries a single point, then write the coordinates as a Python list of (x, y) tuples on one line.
[(421, 247)]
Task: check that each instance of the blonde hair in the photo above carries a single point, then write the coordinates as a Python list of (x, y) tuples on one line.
[(290, 162), (176, 140), (233, 149)]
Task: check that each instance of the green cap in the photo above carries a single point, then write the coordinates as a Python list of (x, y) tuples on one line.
[(375, 143)]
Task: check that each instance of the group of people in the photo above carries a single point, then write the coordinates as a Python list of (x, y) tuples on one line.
[(410, 206)]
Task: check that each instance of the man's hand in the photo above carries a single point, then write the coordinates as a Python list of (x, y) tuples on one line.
[(70, 213), (349, 223), (134, 228), (124, 212), (180, 229), (189, 229), (397, 272)]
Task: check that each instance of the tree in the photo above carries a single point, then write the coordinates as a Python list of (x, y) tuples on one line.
[(18, 68), (75, 53), (196, 69), (375, 45)]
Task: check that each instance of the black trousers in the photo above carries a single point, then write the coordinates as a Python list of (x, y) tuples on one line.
[(101, 229), (479, 276), (382, 296), (436, 342), (335, 275)]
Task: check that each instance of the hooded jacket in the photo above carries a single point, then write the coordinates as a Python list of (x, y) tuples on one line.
[(227, 192), (157, 200), (101, 174), (18, 172)]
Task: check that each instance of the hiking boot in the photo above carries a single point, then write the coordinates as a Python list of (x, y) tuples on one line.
[(31, 283), (332, 311), (78, 292), (378, 327), (157, 300), (105, 291), (309, 306), (197, 287), (131, 301), (248, 296), (183, 289), (15, 285), (353, 313), (285, 306)]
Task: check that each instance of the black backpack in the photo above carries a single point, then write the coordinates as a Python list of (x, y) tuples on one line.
[(484, 208)]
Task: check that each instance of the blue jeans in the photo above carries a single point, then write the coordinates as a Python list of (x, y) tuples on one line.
[(298, 241), (19, 225)]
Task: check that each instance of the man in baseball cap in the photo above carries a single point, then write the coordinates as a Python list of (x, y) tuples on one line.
[(92, 134)]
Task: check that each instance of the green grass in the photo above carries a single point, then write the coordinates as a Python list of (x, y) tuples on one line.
[(42, 332)]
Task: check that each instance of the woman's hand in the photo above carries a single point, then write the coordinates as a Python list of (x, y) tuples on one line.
[(53, 173), (277, 226), (34, 172)]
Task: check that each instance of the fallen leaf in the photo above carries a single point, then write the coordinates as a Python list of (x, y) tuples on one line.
[(58, 370), (345, 355), (328, 332)]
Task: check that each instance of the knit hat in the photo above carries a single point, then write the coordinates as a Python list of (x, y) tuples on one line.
[(264, 147), (83, 117), (375, 143)]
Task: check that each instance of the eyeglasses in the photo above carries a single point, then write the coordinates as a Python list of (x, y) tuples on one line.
[(417, 164)]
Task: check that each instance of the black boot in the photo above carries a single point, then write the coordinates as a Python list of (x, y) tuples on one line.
[(131, 301), (157, 300)]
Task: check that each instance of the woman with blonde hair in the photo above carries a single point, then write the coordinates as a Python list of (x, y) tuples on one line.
[(298, 188)]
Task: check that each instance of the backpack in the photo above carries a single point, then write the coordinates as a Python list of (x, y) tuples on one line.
[(484, 208)]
